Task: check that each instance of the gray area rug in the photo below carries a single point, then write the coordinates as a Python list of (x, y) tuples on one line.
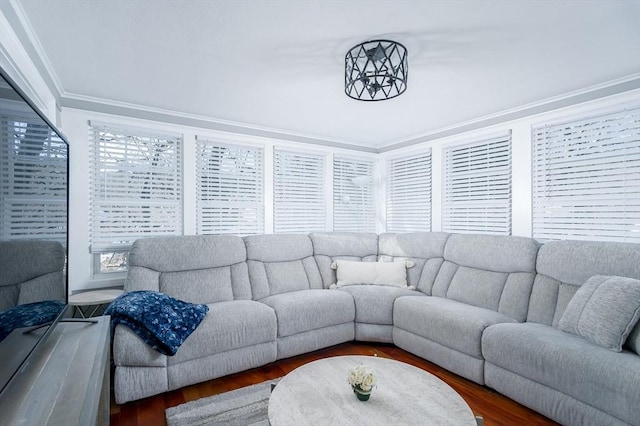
[(241, 407)]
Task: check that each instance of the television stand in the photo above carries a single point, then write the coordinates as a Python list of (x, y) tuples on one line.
[(66, 381)]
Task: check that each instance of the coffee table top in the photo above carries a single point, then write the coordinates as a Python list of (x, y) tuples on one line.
[(94, 297), (318, 394)]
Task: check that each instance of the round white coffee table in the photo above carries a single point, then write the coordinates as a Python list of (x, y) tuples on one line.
[(318, 394)]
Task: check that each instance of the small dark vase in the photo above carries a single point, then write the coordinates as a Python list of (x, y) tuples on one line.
[(361, 395)]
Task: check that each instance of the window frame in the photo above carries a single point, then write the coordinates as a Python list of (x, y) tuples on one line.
[(403, 185), (317, 198), (477, 185), (540, 208), (362, 218), (124, 136), (254, 186)]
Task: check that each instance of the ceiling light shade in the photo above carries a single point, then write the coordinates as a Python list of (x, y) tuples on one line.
[(376, 70)]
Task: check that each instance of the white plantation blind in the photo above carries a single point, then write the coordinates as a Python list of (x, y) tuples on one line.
[(353, 200), (33, 194), (409, 193), (136, 186), (299, 201), (230, 181), (476, 194), (586, 178)]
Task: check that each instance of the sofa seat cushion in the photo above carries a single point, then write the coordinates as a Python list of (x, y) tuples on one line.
[(300, 311), (374, 304), (228, 326), (569, 364), (450, 323)]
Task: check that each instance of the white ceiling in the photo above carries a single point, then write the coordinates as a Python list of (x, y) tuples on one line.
[(279, 65)]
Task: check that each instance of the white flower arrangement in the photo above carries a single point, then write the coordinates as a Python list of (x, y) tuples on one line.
[(361, 378)]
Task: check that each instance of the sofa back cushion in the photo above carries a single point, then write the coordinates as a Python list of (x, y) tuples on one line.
[(196, 269), (425, 249), (604, 310), (563, 266), (488, 271), (331, 246), (281, 263)]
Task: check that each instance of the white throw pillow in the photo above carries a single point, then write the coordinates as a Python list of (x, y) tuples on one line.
[(349, 272)]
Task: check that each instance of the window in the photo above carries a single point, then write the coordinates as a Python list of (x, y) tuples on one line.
[(476, 196), (299, 188), (229, 196), (353, 200), (136, 191), (34, 193), (409, 193), (586, 178)]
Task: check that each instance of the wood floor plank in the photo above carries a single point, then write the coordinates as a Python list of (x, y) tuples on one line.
[(496, 409)]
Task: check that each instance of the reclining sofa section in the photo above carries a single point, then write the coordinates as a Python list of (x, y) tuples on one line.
[(484, 307)]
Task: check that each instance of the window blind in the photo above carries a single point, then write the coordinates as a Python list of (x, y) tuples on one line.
[(136, 186), (477, 186), (299, 200), (353, 199), (409, 193), (230, 181), (34, 191), (586, 178)]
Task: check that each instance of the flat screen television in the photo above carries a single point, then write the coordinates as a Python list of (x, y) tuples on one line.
[(34, 174)]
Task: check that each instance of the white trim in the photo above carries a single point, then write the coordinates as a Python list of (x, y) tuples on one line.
[(587, 111), (21, 69), (206, 119), (523, 111), (328, 190), (591, 93), (588, 94), (35, 42), (149, 132), (268, 189)]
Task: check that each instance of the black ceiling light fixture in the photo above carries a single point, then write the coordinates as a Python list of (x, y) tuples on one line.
[(376, 70)]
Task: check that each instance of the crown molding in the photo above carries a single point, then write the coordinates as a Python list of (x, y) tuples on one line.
[(191, 120), (28, 38), (18, 65), (591, 93)]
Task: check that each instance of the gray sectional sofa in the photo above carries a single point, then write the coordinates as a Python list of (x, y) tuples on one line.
[(488, 308)]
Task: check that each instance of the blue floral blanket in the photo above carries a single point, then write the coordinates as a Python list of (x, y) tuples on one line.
[(163, 322), (28, 315)]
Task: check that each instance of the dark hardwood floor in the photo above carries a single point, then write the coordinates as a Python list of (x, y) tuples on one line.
[(497, 410)]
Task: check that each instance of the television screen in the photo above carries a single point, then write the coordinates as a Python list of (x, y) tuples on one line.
[(33, 228)]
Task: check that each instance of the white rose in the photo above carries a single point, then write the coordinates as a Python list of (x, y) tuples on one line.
[(368, 382), (362, 376), (352, 379)]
